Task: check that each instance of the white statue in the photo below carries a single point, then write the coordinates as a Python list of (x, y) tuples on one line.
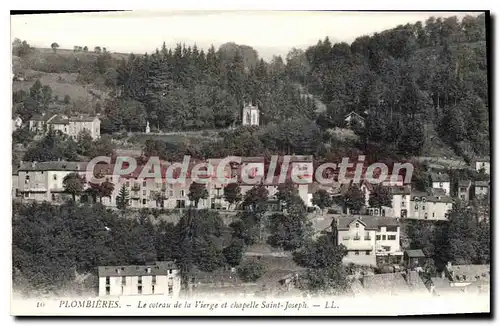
[(148, 130)]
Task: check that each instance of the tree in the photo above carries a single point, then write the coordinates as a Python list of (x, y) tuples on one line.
[(84, 141), (325, 271), (67, 99), (286, 191), (234, 252), (54, 46), (354, 198), (85, 49), (291, 229), (232, 193), (322, 199), (380, 196), (73, 183), (256, 198), (122, 200), (97, 49), (197, 191), (250, 271)]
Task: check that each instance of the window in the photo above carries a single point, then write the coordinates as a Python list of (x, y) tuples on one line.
[(416, 206), (423, 208), (170, 289), (357, 237), (182, 193), (425, 216), (144, 183), (144, 192), (171, 193), (152, 289), (107, 280), (53, 197), (433, 214), (144, 201), (139, 289), (107, 290), (127, 183), (153, 279), (54, 177), (357, 225), (139, 280), (345, 237), (403, 197), (367, 236), (124, 280), (356, 252), (170, 271), (391, 237), (368, 252), (148, 270), (383, 237), (440, 185), (377, 237)]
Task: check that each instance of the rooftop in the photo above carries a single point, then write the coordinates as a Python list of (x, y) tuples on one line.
[(53, 166), (415, 253), (370, 222), (158, 268), (464, 183), (440, 177), (482, 183)]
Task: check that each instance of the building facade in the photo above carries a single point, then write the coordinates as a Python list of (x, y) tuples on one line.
[(251, 115), (369, 240), (482, 163), (430, 206), (160, 278), (71, 126), (441, 181), (44, 181)]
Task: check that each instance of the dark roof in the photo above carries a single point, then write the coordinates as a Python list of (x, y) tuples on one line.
[(159, 268), (370, 222), (82, 119), (400, 190), (482, 183), (354, 113), (482, 159), (59, 120), (440, 177), (53, 166), (437, 197), (415, 253), (39, 117), (464, 183)]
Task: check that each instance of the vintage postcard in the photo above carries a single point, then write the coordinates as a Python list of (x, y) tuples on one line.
[(256, 163)]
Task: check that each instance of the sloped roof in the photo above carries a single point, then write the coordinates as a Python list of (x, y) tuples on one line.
[(440, 177), (53, 166), (482, 183), (415, 253), (159, 268), (464, 183), (370, 222)]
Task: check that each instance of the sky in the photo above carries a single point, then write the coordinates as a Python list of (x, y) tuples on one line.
[(269, 32)]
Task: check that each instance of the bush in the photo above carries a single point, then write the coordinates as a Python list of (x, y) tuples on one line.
[(250, 271)]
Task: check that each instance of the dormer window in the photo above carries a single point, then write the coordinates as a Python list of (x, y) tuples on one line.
[(357, 225)]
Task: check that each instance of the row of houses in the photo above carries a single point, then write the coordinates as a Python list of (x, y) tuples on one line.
[(70, 126), (43, 181)]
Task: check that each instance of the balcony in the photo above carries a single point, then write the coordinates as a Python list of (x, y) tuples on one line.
[(367, 238), (357, 238)]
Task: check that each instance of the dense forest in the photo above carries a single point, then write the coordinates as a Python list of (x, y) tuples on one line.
[(410, 83)]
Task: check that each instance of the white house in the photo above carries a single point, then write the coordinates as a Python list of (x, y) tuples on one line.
[(43, 181), (160, 278), (434, 205), (482, 163), (441, 180), (17, 122), (369, 240)]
